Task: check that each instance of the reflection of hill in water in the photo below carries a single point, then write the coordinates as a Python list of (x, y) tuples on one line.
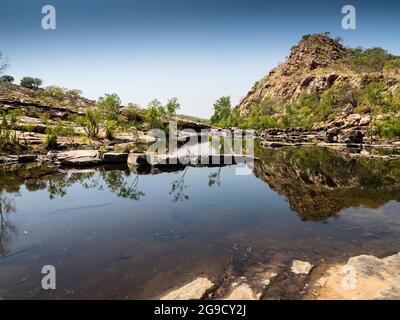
[(319, 183)]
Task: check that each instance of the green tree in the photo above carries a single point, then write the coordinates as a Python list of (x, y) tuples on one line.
[(51, 138), (109, 106), (154, 114), (111, 126), (222, 110), (172, 106), (6, 79), (90, 123), (31, 83)]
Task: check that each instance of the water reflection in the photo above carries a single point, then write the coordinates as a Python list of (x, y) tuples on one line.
[(319, 183), (7, 206), (119, 231)]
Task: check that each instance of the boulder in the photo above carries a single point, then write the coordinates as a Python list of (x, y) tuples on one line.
[(301, 267), (361, 278), (243, 292), (365, 120), (76, 158), (332, 135), (351, 136), (115, 157), (194, 290)]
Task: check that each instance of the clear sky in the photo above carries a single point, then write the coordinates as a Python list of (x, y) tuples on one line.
[(194, 50)]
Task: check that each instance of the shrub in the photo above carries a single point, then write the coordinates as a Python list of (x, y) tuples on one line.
[(6, 79), (111, 126), (109, 106), (389, 128), (60, 93), (373, 95), (392, 67), (73, 94), (90, 123), (55, 92), (51, 138), (31, 83), (133, 114), (369, 60)]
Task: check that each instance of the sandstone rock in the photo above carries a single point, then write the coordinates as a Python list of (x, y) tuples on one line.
[(242, 292), (351, 136), (115, 157), (365, 120), (192, 291), (362, 278), (78, 158), (301, 267)]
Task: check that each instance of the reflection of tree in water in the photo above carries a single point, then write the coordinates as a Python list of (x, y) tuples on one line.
[(7, 206), (59, 183), (178, 188), (116, 183), (214, 178)]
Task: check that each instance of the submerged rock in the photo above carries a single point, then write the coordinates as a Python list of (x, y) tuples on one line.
[(192, 291), (362, 278), (301, 267)]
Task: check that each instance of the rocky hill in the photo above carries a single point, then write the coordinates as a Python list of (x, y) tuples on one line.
[(322, 81)]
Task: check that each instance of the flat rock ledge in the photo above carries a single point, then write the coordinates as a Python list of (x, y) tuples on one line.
[(76, 158), (194, 290), (361, 278)]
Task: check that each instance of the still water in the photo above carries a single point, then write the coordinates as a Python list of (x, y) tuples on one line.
[(124, 233)]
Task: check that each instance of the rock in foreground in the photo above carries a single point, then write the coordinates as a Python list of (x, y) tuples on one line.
[(301, 267), (362, 278), (192, 291)]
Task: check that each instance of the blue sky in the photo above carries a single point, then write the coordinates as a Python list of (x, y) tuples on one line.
[(194, 50)]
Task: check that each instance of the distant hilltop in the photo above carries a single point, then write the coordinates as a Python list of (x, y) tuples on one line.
[(322, 80)]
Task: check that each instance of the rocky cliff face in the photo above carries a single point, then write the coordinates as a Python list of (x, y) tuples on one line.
[(309, 67)]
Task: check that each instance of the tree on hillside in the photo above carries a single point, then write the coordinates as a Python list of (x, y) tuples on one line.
[(109, 106), (172, 106), (31, 83), (6, 79), (155, 114), (222, 110)]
